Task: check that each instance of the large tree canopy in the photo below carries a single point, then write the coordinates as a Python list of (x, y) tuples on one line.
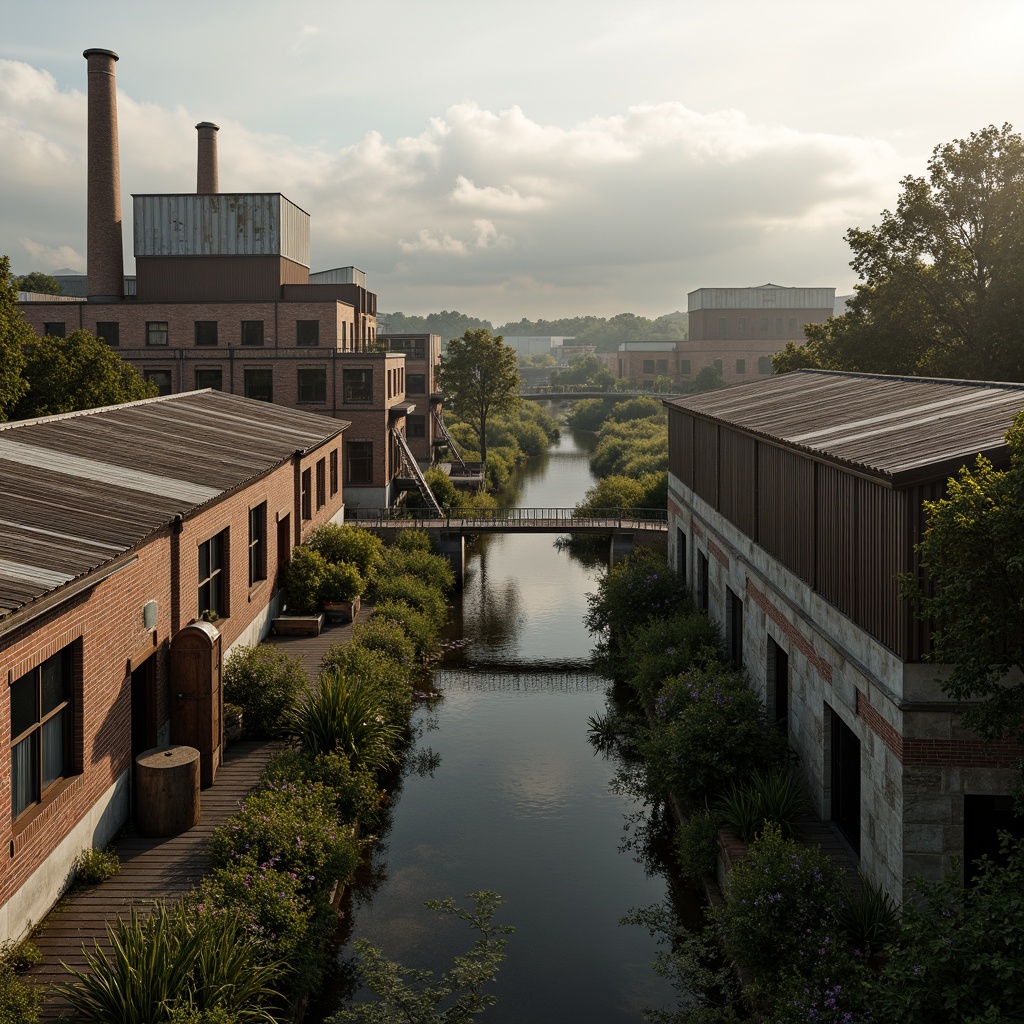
[(942, 290), (76, 372), (478, 376), (14, 332), (972, 553), (37, 281)]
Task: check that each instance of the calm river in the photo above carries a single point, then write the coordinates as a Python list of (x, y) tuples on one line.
[(518, 802)]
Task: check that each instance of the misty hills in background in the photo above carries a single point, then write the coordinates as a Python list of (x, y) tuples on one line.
[(604, 334)]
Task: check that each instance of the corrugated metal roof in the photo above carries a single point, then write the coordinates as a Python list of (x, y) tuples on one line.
[(79, 490), (902, 428)]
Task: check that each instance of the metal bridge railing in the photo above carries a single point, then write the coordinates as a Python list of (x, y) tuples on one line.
[(512, 517)]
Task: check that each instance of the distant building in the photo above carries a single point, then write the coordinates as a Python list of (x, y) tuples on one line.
[(533, 345), (642, 362)]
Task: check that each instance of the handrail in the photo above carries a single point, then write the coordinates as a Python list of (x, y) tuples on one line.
[(569, 517)]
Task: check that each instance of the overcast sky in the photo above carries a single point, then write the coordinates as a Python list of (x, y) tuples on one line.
[(541, 158)]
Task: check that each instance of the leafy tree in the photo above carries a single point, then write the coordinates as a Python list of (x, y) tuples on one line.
[(972, 554), (585, 370), (14, 334), (407, 996), (448, 324), (76, 372), (478, 376), (37, 281), (708, 379), (942, 277)]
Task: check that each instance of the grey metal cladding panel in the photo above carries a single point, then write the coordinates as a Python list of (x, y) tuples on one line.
[(224, 224)]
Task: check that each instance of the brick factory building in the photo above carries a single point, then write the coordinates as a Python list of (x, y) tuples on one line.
[(793, 504), (223, 298), (121, 527)]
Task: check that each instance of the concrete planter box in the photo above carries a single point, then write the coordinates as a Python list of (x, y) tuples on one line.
[(342, 611), (298, 625)]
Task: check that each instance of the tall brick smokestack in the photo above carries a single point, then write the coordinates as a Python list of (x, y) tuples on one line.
[(105, 252), (207, 182)]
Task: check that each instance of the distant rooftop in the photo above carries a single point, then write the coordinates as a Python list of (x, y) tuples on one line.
[(765, 296)]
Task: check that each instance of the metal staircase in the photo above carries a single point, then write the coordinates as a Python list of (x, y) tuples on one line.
[(448, 439), (411, 469)]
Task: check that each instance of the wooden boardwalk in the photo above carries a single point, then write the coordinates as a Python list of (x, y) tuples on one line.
[(151, 869)]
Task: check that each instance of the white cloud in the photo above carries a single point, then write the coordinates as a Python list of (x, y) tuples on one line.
[(491, 212), (46, 258)]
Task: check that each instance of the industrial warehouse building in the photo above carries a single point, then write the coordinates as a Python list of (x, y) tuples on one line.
[(119, 528), (223, 298), (793, 503)]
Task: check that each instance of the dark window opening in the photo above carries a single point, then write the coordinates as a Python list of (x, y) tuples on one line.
[(333, 459), (259, 384), (358, 385), (734, 627), (206, 332), (321, 483), (211, 377), (257, 543), (252, 332), (844, 763), (778, 684), (109, 331), (359, 462), (307, 332), (312, 386), (703, 582), (212, 576), (416, 426), (54, 330), (161, 378), (306, 498)]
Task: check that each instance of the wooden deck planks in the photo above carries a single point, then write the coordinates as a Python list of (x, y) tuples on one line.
[(151, 869)]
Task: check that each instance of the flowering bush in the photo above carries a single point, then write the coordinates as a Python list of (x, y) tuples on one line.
[(292, 828), (710, 732), (781, 912), (265, 684)]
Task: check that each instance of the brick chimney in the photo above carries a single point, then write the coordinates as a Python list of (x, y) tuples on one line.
[(207, 182), (104, 249)]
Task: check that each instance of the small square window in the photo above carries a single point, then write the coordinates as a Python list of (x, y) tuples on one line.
[(259, 384), (206, 332), (358, 385), (649, 366), (210, 377), (416, 384), (54, 330), (684, 367), (312, 386), (416, 426), (307, 332), (741, 366), (764, 364), (161, 378), (109, 331), (156, 332), (252, 332)]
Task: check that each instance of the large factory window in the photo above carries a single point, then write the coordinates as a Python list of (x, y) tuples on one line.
[(206, 332), (307, 332), (259, 384), (252, 332)]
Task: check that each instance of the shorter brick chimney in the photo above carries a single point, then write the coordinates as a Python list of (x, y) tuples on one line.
[(207, 182)]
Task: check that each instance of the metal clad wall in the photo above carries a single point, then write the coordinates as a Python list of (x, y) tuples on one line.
[(761, 298), (705, 461), (837, 538), (785, 512), (224, 224), (214, 278), (879, 538), (680, 446), (738, 488)]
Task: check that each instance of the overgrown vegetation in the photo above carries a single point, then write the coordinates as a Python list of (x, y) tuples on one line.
[(19, 1004), (95, 865), (812, 947)]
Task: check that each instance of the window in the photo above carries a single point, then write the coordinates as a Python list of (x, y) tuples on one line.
[(416, 384), (257, 544), (721, 327), (741, 366), (259, 384), (741, 327), (156, 332), (764, 364), (54, 330), (684, 367), (333, 460), (252, 332), (416, 426), (359, 462), (209, 378), (321, 483), (681, 553), (305, 496), (792, 325), (206, 332), (734, 627), (161, 378), (307, 332), (109, 331), (703, 583), (663, 366), (358, 385), (649, 366), (778, 327), (312, 385), (42, 724), (764, 326), (212, 575)]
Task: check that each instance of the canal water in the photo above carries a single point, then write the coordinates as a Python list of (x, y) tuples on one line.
[(510, 796)]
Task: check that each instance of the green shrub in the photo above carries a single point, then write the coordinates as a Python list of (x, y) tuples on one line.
[(266, 684), (781, 912), (415, 592), (418, 628), (589, 413), (347, 717), (387, 637), (434, 570), (696, 844), (337, 543), (357, 797), (93, 866), (341, 582), (870, 918), (446, 494), (776, 797), (664, 648), (197, 962), (371, 665), (412, 540), (289, 828), (19, 1004), (711, 733), (304, 579)]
